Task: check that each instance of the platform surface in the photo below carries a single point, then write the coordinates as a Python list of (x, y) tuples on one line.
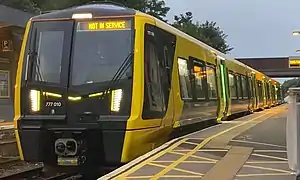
[(6, 125), (249, 148)]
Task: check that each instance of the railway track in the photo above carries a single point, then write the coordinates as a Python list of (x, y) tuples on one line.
[(8, 145), (12, 168), (16, 169)]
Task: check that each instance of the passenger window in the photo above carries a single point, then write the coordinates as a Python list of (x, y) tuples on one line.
[(251, 87), (245, 87), (267, 90), (185, 84), (153, 103), (211, 82), (239, 88), (232, 86), (199, 74), (260, 90)]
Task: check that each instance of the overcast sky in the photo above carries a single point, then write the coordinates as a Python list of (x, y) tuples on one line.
[(255, 28)]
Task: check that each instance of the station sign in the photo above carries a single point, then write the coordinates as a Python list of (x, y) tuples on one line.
[(294, 62), (6, 46)]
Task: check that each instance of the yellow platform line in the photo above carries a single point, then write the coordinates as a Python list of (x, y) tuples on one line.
[(178, 176), (191, 143), (196, 162), (271, 157), (156, 156), (177, 169), (203, 143), (201, 150), (266, 174), (213, 150), (269, 169), (195, 156), (166, 176), (182, 150), (140, 165), (138, 177)]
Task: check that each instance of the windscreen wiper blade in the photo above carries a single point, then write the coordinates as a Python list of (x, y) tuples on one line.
[(32, 59), (121, 71)]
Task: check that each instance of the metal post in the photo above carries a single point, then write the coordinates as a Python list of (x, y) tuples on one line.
[(293, 130)]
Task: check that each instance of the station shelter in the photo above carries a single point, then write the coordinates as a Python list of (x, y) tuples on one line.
[(12, 27)]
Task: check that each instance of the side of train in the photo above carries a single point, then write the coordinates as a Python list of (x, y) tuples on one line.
[(176, 81)]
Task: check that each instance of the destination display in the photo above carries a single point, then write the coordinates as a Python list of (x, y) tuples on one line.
[(104, 25), (294, 63)]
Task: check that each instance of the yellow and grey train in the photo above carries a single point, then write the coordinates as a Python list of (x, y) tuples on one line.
[(101, 84)]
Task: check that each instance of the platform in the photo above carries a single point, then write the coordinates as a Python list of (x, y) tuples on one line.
[(249, 148), (6, 125)]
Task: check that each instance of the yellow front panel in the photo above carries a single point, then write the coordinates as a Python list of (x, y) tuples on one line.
[(143, 135), (17, 106)]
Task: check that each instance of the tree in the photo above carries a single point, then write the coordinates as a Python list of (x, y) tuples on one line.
[(23, 5), (155, 8), (207, 32), (295, 82)]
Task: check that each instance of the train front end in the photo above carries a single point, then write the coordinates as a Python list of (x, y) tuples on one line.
[(74, 83)]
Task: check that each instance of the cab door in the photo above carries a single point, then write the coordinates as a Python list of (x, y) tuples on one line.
[(158, 66), (45, 77)]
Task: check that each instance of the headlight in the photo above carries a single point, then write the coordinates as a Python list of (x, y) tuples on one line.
[(35, 100), (116, 98)]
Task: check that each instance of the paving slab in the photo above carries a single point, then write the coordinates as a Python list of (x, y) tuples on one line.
[(251, 147)]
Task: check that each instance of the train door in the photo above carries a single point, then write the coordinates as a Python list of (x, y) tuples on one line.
[(260, 94), (224, 87), (264, 94), (46, 69), (159, 57), (255, 92), (251, 93)]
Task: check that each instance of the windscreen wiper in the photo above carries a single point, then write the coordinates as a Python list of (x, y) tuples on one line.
[(120, 72), (32, 59)]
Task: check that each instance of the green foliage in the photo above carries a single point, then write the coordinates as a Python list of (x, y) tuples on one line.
[(54, 4), (207, 32), (295, 82), (24, 5), (155, 8)]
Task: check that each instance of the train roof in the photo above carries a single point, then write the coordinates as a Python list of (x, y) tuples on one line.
[(200, 43), (102, 9), (113, 9)]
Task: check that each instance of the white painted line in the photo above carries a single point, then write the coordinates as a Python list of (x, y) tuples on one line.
[(258, 143)]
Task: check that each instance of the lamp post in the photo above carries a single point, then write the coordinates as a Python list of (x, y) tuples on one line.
[(296, 33)]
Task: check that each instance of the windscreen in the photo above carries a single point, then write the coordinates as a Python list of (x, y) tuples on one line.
[(99, 49), (49, 57), (48, 50)]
